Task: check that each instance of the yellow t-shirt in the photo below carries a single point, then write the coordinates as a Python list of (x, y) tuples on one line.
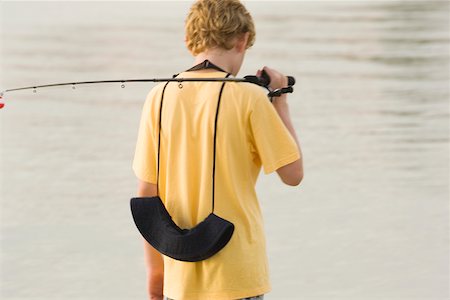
[(249, 134)]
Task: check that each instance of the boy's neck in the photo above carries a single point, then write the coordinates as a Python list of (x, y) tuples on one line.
[(227, 60)]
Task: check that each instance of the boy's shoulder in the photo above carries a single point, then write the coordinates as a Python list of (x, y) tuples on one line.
[(249, 90)]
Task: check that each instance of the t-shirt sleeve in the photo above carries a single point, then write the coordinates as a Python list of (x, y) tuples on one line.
[(145, 156), (273, 143)]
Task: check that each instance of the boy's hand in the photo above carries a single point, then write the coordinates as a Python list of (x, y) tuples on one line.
[(277, 80)]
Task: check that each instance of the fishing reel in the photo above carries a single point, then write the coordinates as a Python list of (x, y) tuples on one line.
[(264, 81)]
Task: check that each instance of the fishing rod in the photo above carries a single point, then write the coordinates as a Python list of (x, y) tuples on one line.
[(262, 81)]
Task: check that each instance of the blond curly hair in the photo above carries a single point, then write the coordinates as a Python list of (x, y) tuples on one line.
[(217, 23)]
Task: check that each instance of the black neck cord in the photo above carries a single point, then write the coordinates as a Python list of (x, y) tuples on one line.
[(198, 67)]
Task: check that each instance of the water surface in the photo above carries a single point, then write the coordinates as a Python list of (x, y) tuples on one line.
[(370, 219)]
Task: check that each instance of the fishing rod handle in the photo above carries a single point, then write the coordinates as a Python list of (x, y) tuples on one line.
[(291, 81), (265, 79)]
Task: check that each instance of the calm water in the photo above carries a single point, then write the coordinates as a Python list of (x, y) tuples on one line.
[(370, 221)]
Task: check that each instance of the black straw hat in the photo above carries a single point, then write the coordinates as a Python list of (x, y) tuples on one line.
[(157, 227)]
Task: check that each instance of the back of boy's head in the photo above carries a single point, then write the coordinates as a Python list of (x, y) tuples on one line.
[(217, 24)]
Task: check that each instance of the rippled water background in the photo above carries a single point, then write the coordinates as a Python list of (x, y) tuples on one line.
[(371, 107)]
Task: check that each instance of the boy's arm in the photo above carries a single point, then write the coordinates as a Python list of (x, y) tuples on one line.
[(153, 259), (291, 174)]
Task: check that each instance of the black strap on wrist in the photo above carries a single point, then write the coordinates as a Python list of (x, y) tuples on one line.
[(279, 92)]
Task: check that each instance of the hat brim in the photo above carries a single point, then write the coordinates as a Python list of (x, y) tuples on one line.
[(157, 227)]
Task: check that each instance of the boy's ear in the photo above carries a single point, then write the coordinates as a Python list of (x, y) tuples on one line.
[(241, 43)]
